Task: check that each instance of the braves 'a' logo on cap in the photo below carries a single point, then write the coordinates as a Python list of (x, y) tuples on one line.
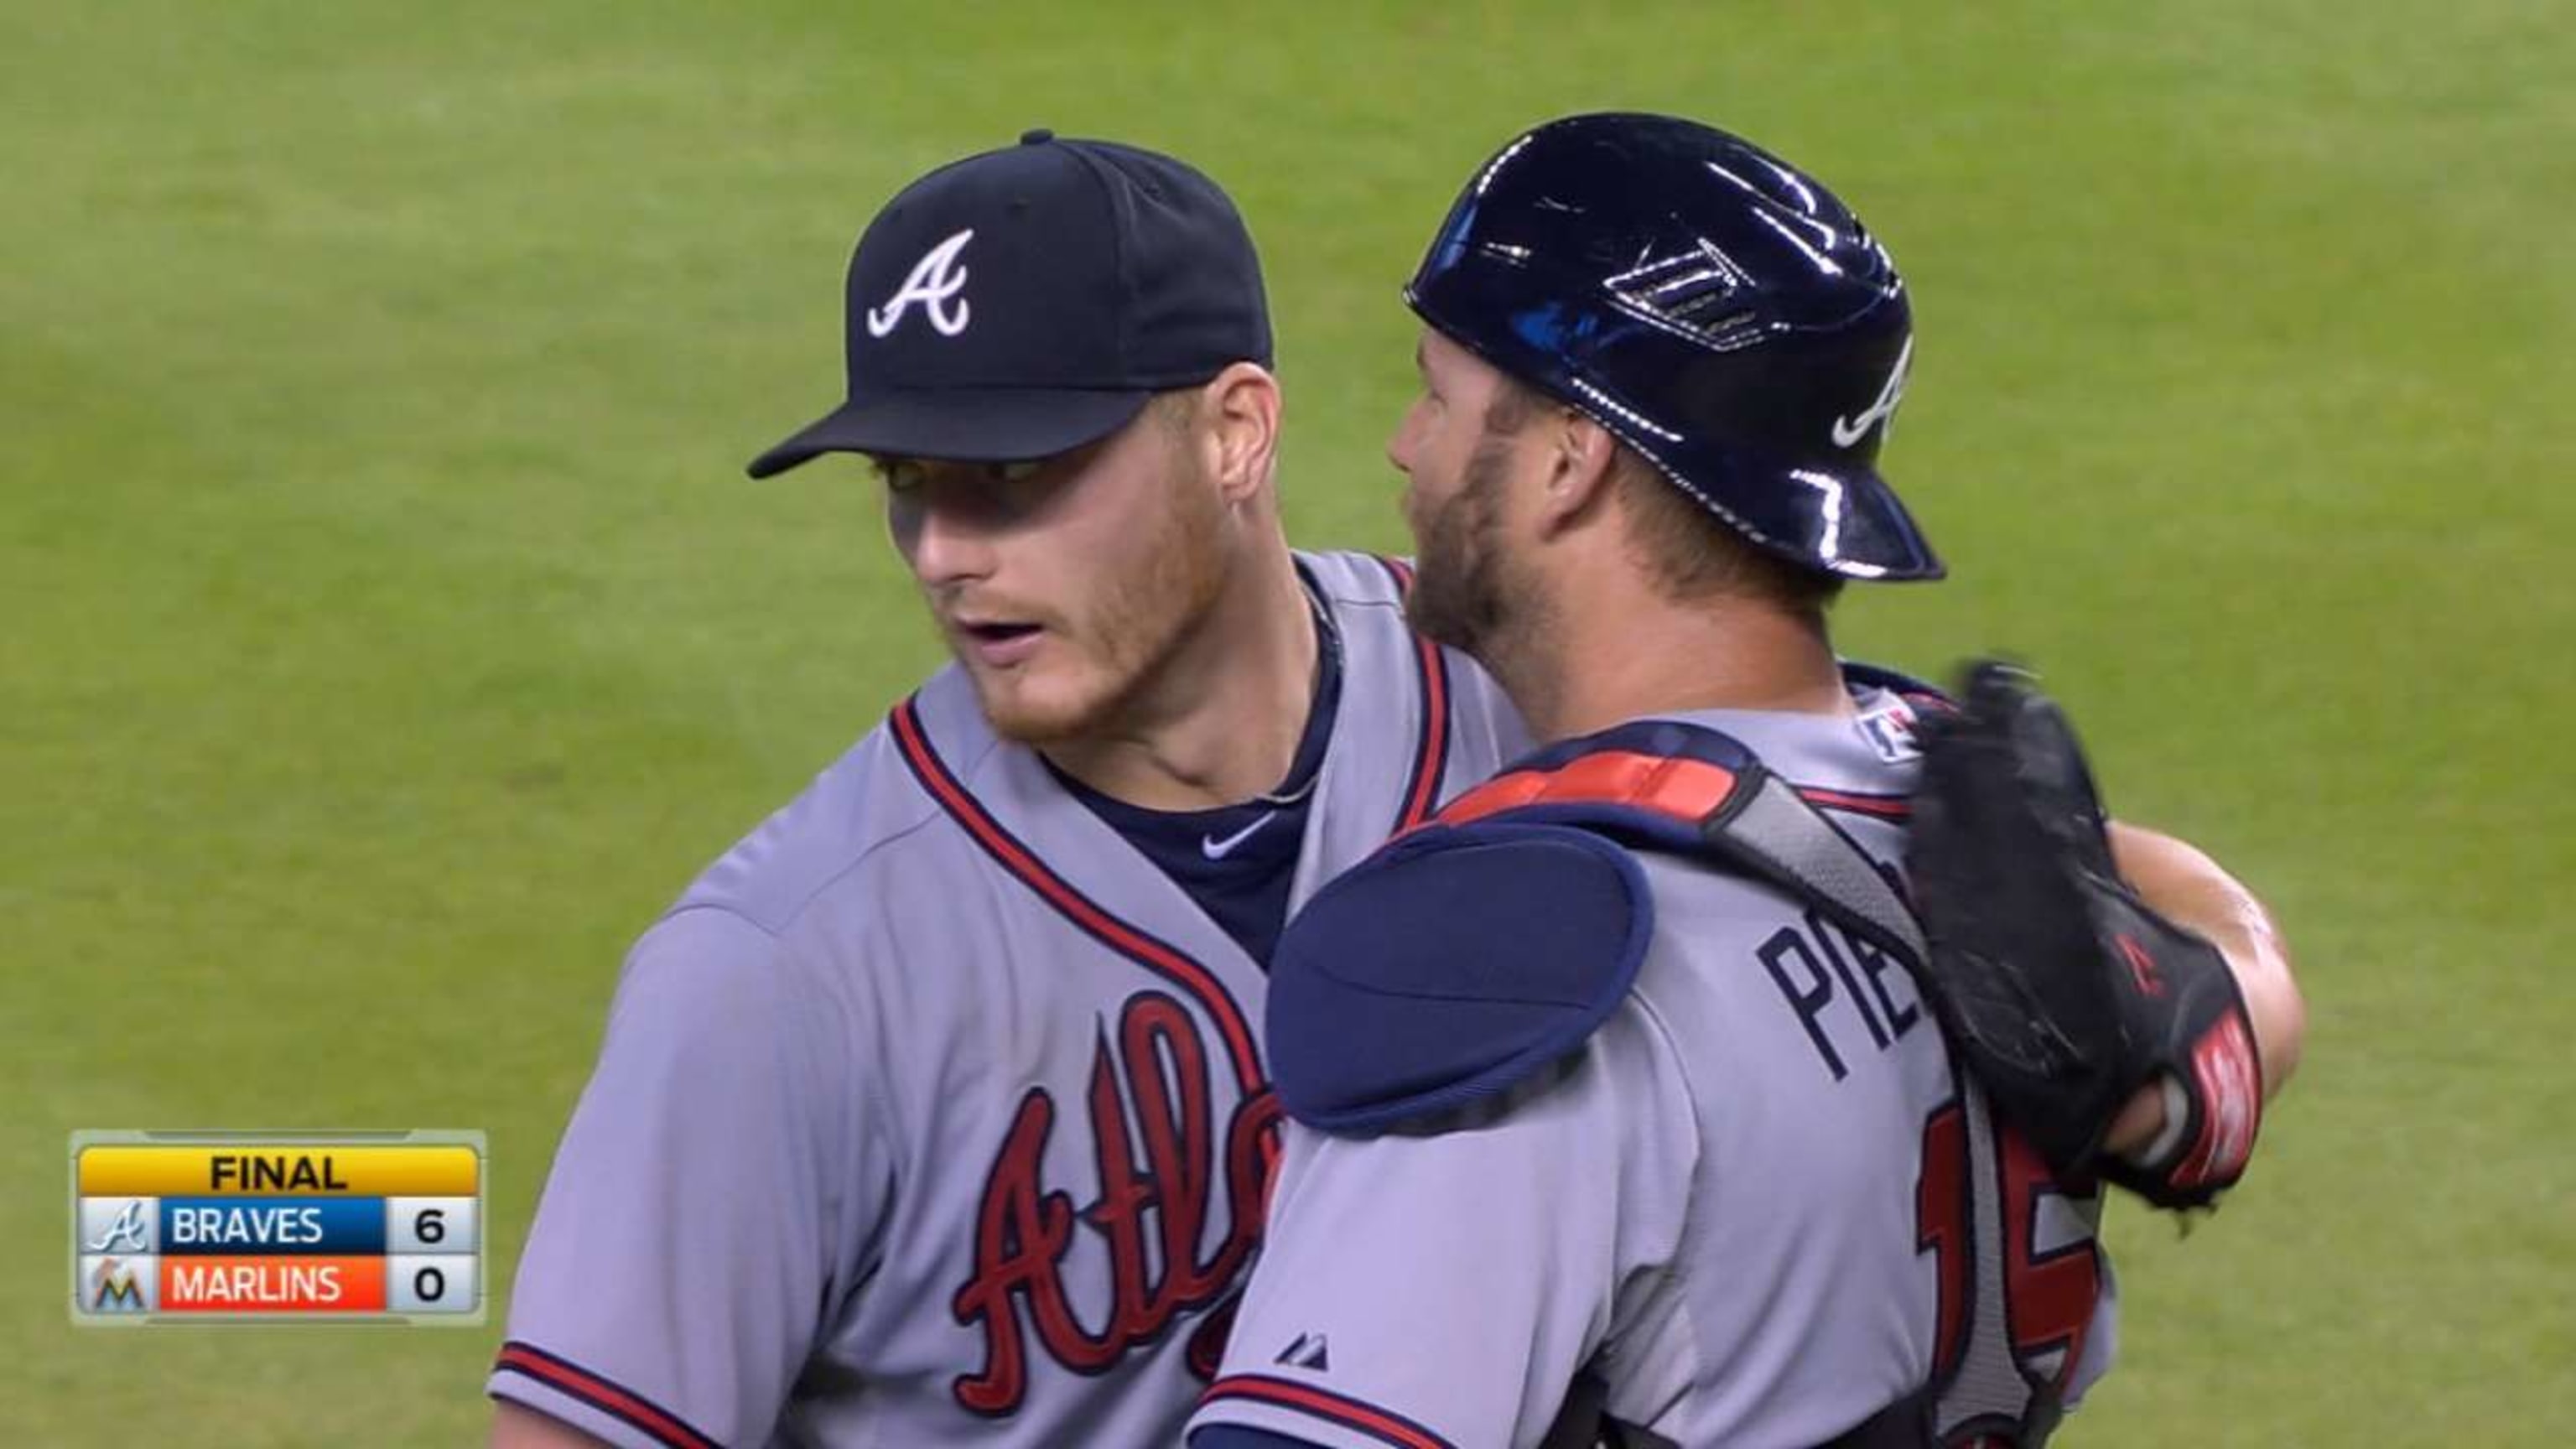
[(1848, 431), (934, 282)]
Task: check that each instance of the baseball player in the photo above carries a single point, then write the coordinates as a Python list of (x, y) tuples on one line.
[(1619, 1107), (935, 1112)]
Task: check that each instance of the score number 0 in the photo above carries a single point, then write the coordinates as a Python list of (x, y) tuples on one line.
[(433, 1246)]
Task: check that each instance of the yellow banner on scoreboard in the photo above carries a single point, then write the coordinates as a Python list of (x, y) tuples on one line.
[(278, 1169)]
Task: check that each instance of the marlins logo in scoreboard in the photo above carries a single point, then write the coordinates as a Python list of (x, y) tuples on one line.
[(115, 1289), (258, 1227)]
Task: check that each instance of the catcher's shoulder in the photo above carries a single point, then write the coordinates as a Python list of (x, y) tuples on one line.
[(1922, 693), (1450, 967)]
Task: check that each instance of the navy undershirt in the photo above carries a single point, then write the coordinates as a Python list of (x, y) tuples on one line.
[(1237, 861)]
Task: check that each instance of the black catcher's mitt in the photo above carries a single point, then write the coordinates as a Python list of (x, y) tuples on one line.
[(2054, 983)]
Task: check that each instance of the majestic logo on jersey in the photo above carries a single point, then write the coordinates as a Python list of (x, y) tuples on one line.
[(935, 282), (1848, 431), (1308, 1351), (1157, 1185)]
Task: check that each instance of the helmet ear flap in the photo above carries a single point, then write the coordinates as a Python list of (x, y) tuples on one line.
[(1715, 309)]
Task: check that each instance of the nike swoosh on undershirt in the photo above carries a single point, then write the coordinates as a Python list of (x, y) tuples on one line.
[(1215, 849)]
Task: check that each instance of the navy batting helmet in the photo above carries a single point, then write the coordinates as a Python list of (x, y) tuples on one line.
[(1715, 308)]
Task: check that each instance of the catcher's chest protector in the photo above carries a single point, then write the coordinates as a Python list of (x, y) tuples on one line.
[(2016, 1287)]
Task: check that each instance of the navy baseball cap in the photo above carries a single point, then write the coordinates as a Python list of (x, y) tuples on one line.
[(1026, 301)]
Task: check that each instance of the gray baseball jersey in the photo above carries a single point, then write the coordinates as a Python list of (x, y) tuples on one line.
[(933, 1113), (1742, 1213)]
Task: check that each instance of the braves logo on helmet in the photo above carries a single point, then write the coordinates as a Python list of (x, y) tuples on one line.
[(1849, 431)]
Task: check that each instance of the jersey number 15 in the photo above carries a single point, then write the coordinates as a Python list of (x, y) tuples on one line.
[(2020, 1276)]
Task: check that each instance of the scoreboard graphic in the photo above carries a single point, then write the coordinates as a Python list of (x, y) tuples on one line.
[(261, 1227)]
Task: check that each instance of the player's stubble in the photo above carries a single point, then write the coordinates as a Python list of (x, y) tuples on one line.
[(1149, 598), (1465, 593)]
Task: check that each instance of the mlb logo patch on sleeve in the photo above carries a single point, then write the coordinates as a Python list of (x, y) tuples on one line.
[(1888, 726)]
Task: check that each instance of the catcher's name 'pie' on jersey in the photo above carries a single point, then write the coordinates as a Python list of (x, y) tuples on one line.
[(1752, 1208), (933, 1113)]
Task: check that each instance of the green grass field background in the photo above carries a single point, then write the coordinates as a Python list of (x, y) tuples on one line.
[(390, 631)]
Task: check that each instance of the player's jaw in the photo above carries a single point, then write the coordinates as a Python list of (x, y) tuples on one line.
[(1458, 467), (1065, 603), (1458, 596)]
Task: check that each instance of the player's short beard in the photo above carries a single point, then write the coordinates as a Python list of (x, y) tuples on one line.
[(1156, 596), (1460, 597)]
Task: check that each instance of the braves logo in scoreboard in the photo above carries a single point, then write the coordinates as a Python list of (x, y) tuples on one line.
[(1153, 1191), (130, 1232)]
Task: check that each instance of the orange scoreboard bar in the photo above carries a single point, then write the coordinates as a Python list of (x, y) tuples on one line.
[(263, 1227)]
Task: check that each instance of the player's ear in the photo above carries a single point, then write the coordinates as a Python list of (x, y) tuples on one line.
[(1238, 429), (1582, 462)]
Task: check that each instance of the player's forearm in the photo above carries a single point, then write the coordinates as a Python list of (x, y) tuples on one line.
[(2193, 891)]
